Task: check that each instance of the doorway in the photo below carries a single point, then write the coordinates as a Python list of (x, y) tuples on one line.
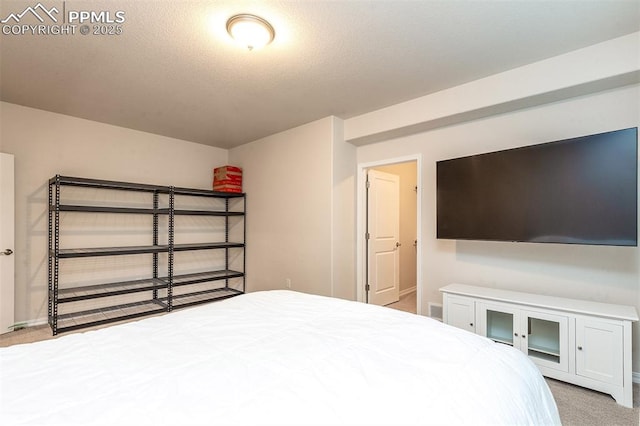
[(408, 244)]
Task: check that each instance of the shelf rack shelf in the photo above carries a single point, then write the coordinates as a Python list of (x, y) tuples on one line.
[(75, 294), (156, 291), (115, 313), (204, 296), (116, 251), (100, 209), (200, 277), (110, 251)]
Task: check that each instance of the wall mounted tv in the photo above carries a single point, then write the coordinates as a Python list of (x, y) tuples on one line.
[(575, 191)]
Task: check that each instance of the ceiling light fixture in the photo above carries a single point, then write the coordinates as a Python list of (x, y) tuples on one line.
[(251, 31)]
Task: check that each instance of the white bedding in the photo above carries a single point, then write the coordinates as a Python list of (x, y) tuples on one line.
[(273, 357)]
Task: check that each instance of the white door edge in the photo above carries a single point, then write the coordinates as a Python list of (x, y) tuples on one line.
[(7, 241)]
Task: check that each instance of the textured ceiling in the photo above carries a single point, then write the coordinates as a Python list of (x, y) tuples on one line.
[(174, 71)]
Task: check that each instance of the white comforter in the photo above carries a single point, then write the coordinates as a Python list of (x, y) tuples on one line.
[(274, 357)]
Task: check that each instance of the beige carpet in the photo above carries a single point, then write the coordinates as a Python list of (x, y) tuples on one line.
[(407, 303), (583, 407)]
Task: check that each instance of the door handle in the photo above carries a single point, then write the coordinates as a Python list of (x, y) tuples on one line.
[(398, 244), (7, 252)]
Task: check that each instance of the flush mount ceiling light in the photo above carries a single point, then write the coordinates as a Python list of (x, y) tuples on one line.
[(251, 31)]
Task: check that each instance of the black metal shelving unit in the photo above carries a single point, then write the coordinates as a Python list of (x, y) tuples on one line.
[(218, 280), (158, 290)]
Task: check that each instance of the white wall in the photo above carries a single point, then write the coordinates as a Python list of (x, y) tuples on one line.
[(605, 274), (300, 209), (287, 178), (343, 214), (45, 144)]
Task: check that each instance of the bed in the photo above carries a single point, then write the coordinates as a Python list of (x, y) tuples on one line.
[(273, 358)]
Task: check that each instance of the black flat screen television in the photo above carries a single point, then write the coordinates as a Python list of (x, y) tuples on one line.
[(575, 191)]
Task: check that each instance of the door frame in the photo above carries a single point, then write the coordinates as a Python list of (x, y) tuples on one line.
[(7, 276), (361, 220)]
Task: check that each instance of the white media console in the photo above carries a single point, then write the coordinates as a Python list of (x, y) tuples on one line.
[(576, 341)]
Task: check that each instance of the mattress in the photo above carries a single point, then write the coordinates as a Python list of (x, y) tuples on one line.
[(273, 358)]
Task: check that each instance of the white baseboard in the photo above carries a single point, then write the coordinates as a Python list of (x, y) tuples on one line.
[(408, 290)]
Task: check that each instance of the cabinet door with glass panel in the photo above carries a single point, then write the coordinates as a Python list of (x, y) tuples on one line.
[(540, 335)]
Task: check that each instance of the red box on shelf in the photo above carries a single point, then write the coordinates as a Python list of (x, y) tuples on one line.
[(227, 179), (220, 185), (234, 190), (227, 173)]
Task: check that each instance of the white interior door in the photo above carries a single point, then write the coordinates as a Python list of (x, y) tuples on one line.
[(383, 227), (6, 242)]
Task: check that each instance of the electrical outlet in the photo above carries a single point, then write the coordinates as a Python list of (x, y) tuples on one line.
[(287, 282)]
